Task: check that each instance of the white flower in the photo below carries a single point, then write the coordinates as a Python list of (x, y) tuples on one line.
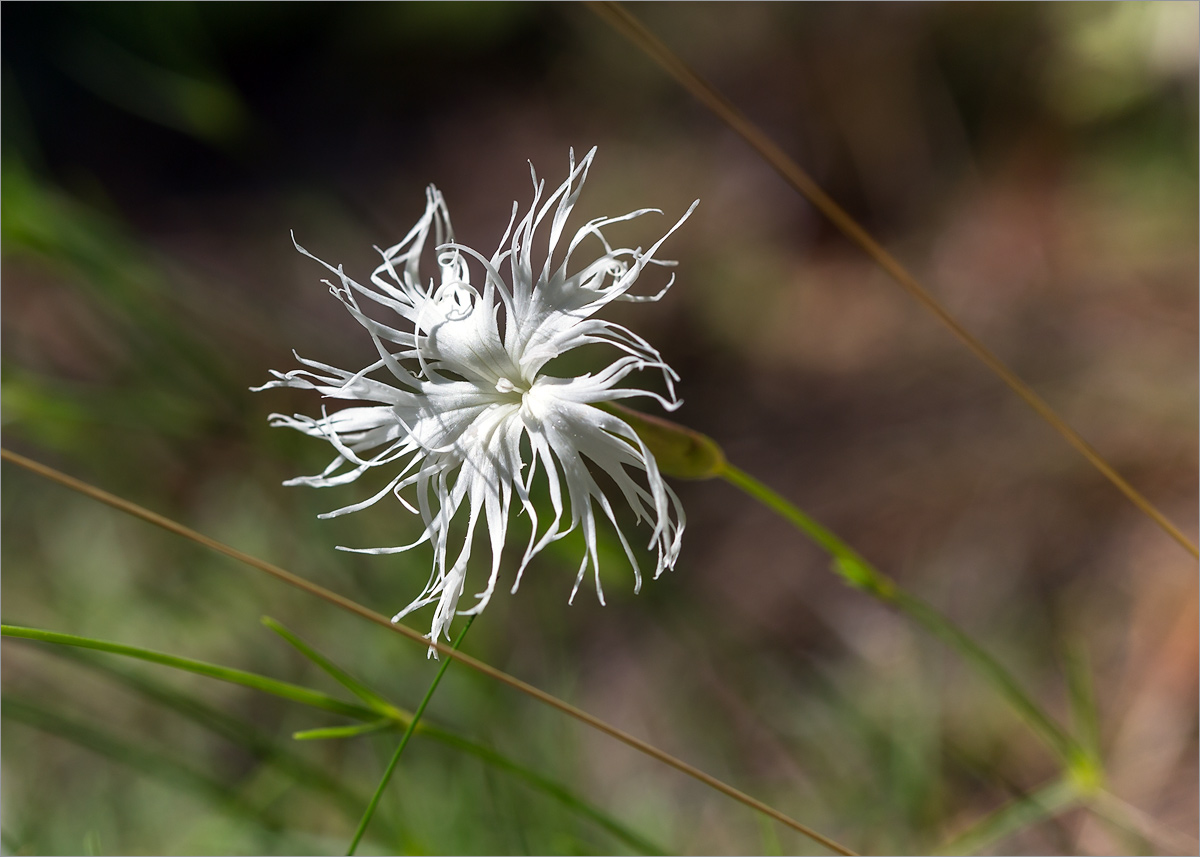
[(468, 415)]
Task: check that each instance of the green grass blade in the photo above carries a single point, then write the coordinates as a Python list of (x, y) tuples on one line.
[(370, 697), (343, 731), (770, 839), (232, 729), (284, 689), (989, 669), (1022, 812), (1089, 769), (859, 573), (412, 726), (546, 786), (151, 763)]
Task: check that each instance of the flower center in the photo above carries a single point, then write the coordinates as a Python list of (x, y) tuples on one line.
[(506, 386)]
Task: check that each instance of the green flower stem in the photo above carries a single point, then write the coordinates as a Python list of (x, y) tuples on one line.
[(412, 726), (859, 573)]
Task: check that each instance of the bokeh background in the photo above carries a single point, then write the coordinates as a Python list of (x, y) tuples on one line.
[(1034, 164)]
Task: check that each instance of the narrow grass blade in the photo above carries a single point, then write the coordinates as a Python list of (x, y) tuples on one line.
[(1085, 716), (232, 729), (1040, 805), (770, 839), (989, 669), (859, 573), (370, 697), (152, 763), (287, 690), (343, 731), (412, 725), (546, 786)]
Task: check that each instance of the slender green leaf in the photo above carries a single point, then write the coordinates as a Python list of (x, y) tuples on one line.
[(546, 786), (91, 844), (344, 678), (1022, 812), (343, 731), (237, 731), (770, 839), (1089, 768), (484, 754), (989, 669), (151, 762), (287, 690), (859, 573)]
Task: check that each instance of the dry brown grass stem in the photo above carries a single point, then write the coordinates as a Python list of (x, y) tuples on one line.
[(341, 601), (633, 29)]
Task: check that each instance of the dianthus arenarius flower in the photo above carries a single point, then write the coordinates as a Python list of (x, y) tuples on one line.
[(468, 414)]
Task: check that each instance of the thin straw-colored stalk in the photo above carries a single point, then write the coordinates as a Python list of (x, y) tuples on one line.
[(347, 604), (637, 33), (408, 733), (856, 571)]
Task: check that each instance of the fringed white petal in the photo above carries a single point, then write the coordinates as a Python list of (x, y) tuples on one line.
[(468, 397)]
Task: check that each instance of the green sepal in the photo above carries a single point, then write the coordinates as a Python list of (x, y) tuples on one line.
[(679, 451)]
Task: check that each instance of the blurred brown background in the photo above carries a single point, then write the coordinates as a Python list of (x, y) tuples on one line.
[(1034, 164)]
